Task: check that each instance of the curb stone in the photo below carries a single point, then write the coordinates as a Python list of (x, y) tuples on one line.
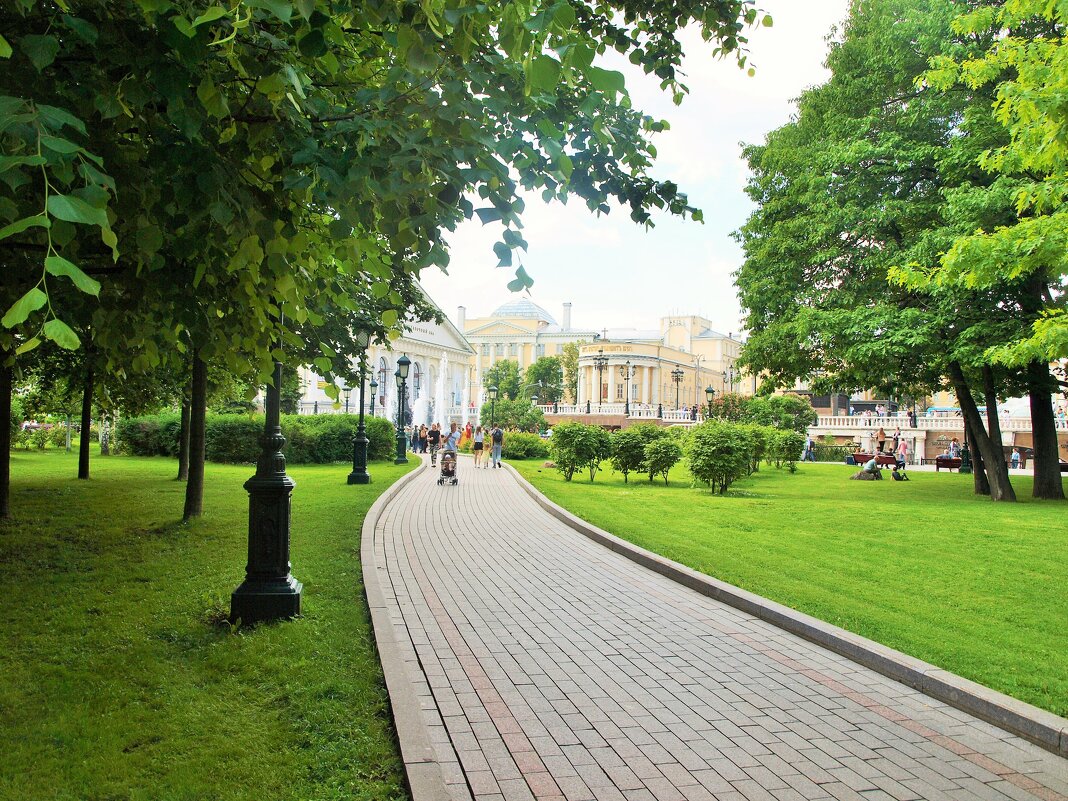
[(1036, 725), (425, 779)]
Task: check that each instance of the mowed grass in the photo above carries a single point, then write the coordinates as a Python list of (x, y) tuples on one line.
[(119, 681), (926, 567)]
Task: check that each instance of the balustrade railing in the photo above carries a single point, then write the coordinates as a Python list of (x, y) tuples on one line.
[(932, 423)]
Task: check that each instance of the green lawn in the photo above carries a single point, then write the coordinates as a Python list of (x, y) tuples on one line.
[(117, 679), (925, 567)]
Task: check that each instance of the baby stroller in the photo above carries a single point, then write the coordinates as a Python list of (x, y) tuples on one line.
[(448, 468)]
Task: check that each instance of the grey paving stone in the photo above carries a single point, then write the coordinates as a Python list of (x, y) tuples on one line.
[(549, 667)]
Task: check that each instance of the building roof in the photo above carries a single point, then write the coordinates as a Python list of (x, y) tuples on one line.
[(524, 308)]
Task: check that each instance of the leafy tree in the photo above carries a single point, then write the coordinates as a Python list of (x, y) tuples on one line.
[(784, 447), (517, 415), (576, 446), (569, 355), (542, 379), (719, 453), (876, 172), (507, 376), (256, 163), (660, 456), (628, 451)]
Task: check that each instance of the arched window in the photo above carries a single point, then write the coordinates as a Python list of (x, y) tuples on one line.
[(384, 380), (417, 379)]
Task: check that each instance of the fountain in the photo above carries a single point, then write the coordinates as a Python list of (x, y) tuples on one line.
[(440, 410)]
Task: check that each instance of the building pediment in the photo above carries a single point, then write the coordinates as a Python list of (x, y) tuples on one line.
[(499, 328)]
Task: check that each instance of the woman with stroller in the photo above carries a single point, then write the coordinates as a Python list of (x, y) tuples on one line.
[(477, 442)]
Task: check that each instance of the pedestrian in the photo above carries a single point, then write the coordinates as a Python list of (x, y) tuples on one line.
[(880, 438), (476, 448), (497, 440), (897, 438), (424, 438), (954, 449), (451, 440), (902, 451), (1014, 460), (433, 439), (810, 450)]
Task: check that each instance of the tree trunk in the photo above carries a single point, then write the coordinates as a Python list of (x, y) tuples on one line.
[(183, 441), (194, 488), (993, 423), (979, 479), (5, 437), (87, 421), (996, 471), (1047, 461)]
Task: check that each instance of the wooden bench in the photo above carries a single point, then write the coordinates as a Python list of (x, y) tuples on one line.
[(951, 463), (881, 459)]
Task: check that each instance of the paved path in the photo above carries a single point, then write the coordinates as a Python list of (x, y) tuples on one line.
[(549, 667)]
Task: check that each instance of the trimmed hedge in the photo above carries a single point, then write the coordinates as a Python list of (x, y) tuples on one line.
[(237, 438), (518, 445)]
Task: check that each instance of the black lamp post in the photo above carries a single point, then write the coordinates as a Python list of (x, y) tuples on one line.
[(676, 376), (965, 454), (626, 372), (359, 474), (710, 395), (374, 391), (600, 361), (347, 391), (533, 400), (269, 591), (730, 378), (493, 406), (403, 365)]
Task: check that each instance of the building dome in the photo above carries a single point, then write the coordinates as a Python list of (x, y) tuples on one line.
[(524, 308)]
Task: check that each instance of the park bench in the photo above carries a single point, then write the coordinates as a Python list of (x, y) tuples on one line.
[(881, 459), (951, 463)]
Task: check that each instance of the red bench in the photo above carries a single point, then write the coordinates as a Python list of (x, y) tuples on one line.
[(881, 459), (951, 463)]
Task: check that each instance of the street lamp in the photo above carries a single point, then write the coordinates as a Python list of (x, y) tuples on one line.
[(710, 394), (626, 372), (347, 391), (533, 400), (374, 391), (676, 376), (600, 361), (403, 365), (359, 474), (493, 406), (730, 378), (269, 591)]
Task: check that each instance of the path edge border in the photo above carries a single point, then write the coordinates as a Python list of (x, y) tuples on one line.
[(1044, 729), (426, 782)]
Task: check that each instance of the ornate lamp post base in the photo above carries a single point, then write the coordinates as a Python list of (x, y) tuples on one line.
[(269, 591), (359, 473)]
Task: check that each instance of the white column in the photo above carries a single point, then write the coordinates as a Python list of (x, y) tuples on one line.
[(647, 384), (580, 390), (657, 383), (611, 369)]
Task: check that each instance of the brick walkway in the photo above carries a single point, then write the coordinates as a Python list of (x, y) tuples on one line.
[(549, 667)]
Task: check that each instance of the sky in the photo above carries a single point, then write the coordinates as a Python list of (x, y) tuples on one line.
[(618, 274)]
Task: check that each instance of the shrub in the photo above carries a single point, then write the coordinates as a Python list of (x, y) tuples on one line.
[(517, 415), (518, 445), (17, 417), (660, 456), (760, 437), (232, 438), (720, 453), (785, 448), (575, 446), (57, 436), (39, 438), (628, 451)]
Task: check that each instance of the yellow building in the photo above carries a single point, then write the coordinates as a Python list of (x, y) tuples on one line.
[(521, 331), (670, 367)]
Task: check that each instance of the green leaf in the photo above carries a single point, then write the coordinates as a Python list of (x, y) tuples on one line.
[(58, 117), (150, 239), (74, 209), (606, 80), (305, 8), (41, 50), (57, 265), (521, 281), (312, 44), (488, 215), (280, 8), (19, 226), (504, 253), (323, 364), (7, 162), (24, 307), (389, 318), (212, 14), (5, 48), (767, 22), (62, 334), (60, 145), (544, 72), (185, 26), (27, 346), (85, 30)]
